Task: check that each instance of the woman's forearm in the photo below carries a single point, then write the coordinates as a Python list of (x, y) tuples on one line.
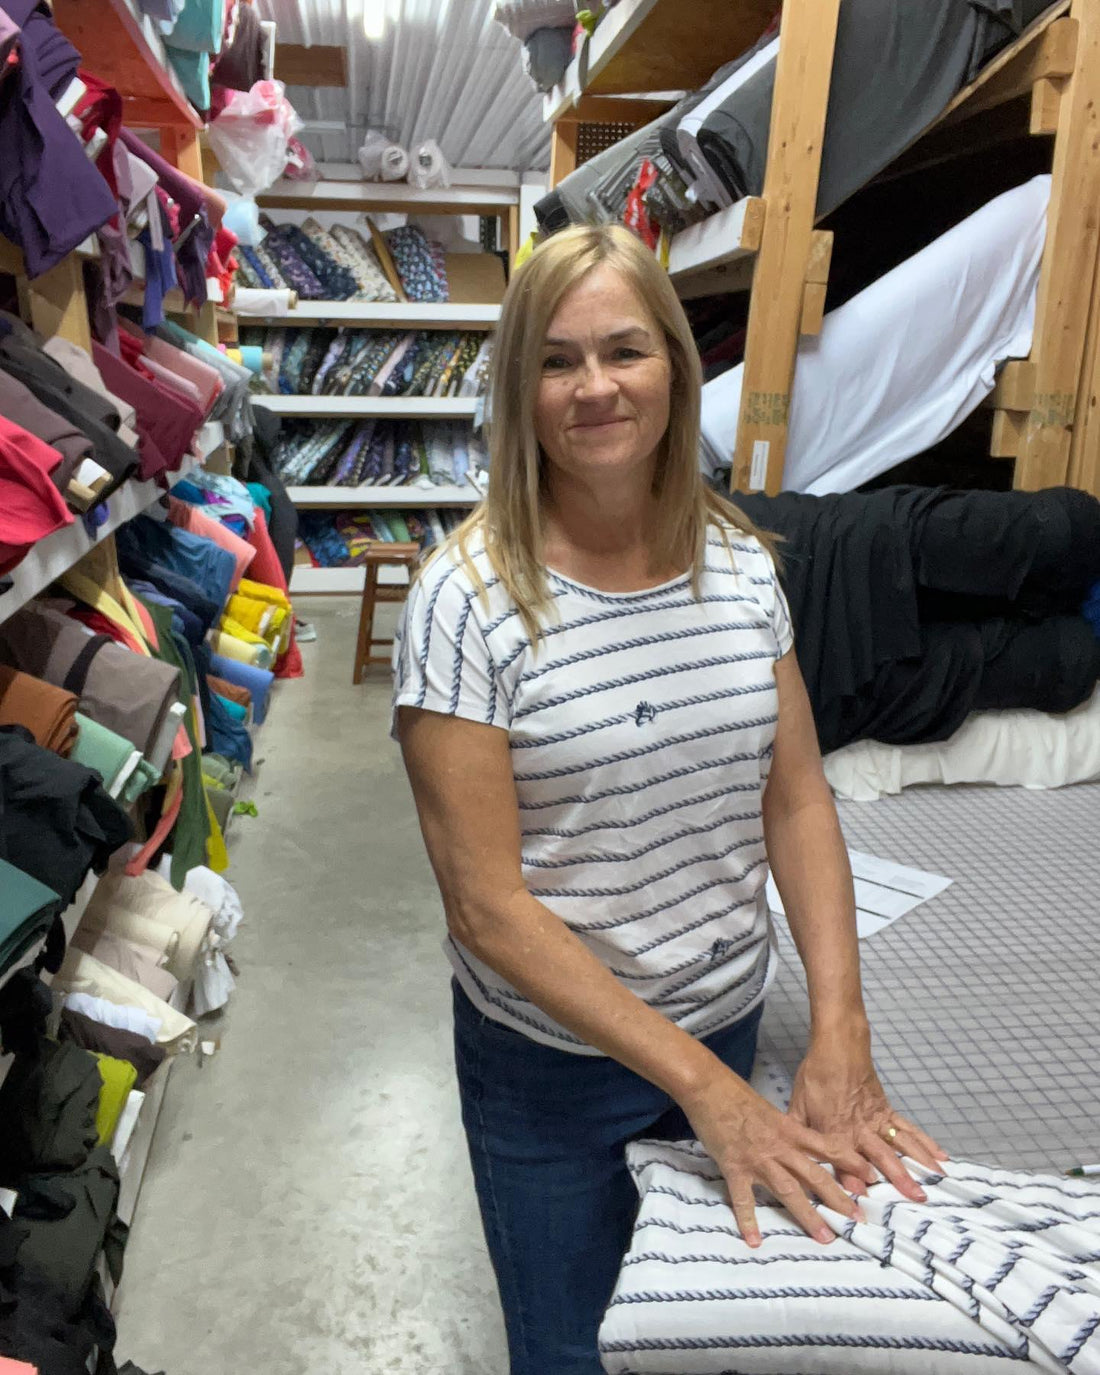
[(809, 862), (535, 951)]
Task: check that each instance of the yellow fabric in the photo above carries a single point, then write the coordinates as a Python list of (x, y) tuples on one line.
[(263, 592), (217, 856), (127, 617), (526, 249), (256, 615), (243, 646), (119, 1078)]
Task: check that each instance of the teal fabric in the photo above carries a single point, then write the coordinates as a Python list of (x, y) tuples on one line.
[(262, 498), (27, 910)]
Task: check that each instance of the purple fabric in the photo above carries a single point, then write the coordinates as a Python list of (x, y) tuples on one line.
[(193, 245), (51, 197), (166, 421)]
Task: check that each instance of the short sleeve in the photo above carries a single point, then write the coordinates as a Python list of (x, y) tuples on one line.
[(441, 661), (781, 617)]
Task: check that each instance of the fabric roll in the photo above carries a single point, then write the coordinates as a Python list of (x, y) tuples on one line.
[(152, 897), (107, 754), (256, 681), (121, 1016), (83, 973), (130, 924), (48, 712), (235, 710), (393, 164), (273, 300), (119, 1079), (230, 692), (48, 1104), (137, 962), (933, 331), (57, 819), (125, 692), (145, 1056), (20, 406), (31, 507), (27, 911), (193, 519), (237, 642)]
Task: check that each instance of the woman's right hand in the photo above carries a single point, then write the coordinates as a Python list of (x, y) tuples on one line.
[(752, 1142)]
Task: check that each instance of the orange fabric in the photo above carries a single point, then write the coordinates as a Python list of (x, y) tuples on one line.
[(48, 712)]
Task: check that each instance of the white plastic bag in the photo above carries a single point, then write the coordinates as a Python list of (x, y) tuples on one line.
[(428, 166), (381, 159), (250, 136)]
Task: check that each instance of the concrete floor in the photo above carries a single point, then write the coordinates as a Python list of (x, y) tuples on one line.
[(308, 1205)]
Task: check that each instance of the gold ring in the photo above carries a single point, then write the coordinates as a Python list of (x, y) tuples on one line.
[(891, 1132)]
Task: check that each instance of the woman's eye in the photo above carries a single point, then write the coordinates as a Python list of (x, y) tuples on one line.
[(625, 353), (555, 363)]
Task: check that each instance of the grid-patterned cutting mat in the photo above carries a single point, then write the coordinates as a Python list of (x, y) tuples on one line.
[(985, 1001)]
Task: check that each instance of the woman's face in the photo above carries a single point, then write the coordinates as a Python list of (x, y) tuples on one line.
[(603, 397)]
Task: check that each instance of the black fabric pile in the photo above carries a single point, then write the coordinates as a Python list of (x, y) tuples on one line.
[(915, 606)]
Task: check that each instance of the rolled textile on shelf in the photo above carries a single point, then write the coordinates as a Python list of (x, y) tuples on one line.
[(142, 963), (126, 692), (113, 758), (250, 356), (146, 932), (153, 898), (83, 973), (48, 712), (257, 681), (26, 915), (232, 646), (121, 1016), (118, 1078), (427, 166), (265, 300), (394, 163)]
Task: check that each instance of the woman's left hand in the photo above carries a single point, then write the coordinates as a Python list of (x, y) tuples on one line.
[(837, 1092)]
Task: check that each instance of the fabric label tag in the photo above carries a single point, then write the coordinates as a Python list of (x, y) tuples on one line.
[(758, 472)]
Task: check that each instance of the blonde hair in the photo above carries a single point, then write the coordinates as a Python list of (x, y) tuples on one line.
[(510, 517)]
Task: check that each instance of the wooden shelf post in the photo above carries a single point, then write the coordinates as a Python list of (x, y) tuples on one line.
[(802, 77), (1069, 265)]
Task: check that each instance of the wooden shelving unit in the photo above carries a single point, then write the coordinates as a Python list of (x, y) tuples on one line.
[(390, 407), (367, 197), (1051, 74)]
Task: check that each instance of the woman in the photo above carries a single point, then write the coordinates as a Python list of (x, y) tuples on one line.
[(608, 742)]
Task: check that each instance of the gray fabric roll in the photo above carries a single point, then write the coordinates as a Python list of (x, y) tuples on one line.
[(126, 692)]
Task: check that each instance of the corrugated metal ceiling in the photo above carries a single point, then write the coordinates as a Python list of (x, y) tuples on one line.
[(443, 69)]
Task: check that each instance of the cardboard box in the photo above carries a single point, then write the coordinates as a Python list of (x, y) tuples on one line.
[(475, 278)]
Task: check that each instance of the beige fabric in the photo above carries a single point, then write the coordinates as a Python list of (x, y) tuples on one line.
[(132, 926), (150, 897), (139, 962), (78, 362), (83, 973)]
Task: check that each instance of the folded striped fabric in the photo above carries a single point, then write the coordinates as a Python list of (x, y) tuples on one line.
[(997, 1266)]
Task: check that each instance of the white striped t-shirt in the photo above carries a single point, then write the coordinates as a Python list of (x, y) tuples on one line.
[(641, 732)]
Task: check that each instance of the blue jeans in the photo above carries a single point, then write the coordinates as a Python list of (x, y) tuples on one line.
[(547, 1131)]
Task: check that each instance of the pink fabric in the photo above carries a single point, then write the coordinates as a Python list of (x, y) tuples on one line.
[(176, 380), (31, 507), (206, 378), (191, 518), (267, 568)]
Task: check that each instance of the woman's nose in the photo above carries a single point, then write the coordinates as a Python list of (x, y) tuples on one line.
[(595, 382)]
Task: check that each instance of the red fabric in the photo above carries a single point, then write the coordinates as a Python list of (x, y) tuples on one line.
[(267, 568), (166, 420), (31, 507), (100, 107)]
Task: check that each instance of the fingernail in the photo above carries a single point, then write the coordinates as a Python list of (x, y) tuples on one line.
[(753, 1239), (920, 1196), (825, 1236)]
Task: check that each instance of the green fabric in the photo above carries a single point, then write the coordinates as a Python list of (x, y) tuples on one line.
[(225, 772), (221, 801), (245, 809), (192, 828), (119, 1078), (27, 910), (100, 749), (141, 780)]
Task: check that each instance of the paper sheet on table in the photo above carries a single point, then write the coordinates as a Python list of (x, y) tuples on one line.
[(884, 891)]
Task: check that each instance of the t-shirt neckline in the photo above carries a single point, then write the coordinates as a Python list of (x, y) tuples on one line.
[(639, 592)]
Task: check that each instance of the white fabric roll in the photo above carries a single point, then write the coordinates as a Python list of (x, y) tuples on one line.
[(428, 167), (262, 300), (394, 164), (214, 890), (119, 1015), (1021, 748), (902, 364)]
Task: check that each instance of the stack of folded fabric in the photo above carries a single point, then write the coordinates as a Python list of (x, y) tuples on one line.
[(366, 362), (353, 453), (341, 539)]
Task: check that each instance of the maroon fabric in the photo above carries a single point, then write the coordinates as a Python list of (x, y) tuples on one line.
[(166, 420)]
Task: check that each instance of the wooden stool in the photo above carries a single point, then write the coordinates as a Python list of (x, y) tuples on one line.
[(380, 556)]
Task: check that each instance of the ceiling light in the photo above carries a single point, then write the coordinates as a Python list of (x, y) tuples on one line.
[(374, 19)]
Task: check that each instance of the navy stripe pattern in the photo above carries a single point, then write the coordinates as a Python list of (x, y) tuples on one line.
[(984, 1275), (641, 729)]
